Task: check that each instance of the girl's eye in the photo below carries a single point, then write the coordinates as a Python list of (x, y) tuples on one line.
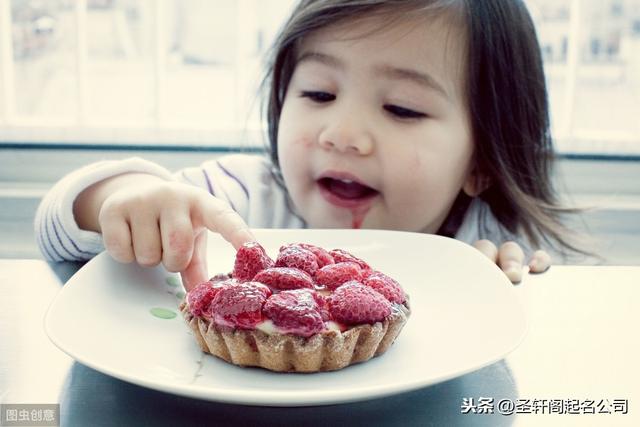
[(317, 96), (404, 113)]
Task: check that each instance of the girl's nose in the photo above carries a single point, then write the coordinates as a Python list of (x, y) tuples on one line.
[(347, 137)]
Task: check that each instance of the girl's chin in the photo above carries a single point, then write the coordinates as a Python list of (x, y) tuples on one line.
[(324, 223), (320, 213), (344, 220), (324, 214)]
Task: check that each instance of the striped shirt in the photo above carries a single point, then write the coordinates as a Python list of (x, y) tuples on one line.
[(245, 182)]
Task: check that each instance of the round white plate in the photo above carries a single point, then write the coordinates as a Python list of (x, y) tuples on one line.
[(465, 315)]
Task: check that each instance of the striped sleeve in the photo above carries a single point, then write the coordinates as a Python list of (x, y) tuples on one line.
[(247, 183), (57, 233), (221, 182)]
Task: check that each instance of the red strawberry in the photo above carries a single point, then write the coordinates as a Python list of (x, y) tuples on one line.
[(340, 255), (323, 306), (333, 275), (284, 278), (200, 297), (354, 303), (295, 312), (322, 256), (387, 286), (297, 257), (240, 305), (250, 259)]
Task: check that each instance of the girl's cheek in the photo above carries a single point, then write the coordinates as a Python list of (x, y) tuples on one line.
[(306, 143), (298, 138)]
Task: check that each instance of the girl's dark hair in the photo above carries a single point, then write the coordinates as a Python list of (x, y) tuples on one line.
[(505, 91)]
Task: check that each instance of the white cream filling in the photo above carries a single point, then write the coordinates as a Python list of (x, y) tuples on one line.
[(332, 326), (268, 327)]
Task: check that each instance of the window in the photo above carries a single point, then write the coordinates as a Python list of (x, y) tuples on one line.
[(141, 71), (186, 71), (591, 50)]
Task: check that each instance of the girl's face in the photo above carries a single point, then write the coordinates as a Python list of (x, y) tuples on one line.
[(374, 130)]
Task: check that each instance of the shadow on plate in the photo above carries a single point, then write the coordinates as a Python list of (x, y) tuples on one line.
[(92, 398)]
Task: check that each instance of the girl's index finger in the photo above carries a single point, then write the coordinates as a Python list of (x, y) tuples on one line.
[(217, 216), (196, 271), (510, 260)]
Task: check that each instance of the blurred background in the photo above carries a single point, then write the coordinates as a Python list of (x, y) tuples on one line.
[(88, 79), (74, 68)]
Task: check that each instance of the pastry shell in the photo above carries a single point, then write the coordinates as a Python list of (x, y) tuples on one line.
[(326, 351)]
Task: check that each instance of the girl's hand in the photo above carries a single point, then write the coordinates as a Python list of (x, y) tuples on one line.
[(510, 258), (157, 221)]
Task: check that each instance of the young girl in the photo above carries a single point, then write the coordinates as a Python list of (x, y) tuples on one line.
[(418, 115)]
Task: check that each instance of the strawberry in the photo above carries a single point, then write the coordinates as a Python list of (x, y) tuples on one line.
[(239, 305), (250, 259), (295, 311), (333, 275), (354, 303), (387, 286), (284, 278), (340, 255), (297, 257), (322, 256), (323, 306), (200, 297)]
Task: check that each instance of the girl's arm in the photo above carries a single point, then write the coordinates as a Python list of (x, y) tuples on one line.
[(138, 213), (69, 227), (57, 233)]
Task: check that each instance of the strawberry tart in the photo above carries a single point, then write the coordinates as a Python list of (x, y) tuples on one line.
[(309, 310)]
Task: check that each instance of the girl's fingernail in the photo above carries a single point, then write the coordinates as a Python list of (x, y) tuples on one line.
[(533, 265), (514, 273)]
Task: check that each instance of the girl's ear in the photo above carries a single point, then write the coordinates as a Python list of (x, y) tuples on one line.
[(476, 183)]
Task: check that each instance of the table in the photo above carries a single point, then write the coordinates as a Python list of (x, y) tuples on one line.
[(582, 344)]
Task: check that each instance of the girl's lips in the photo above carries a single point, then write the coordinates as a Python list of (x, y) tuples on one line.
[(344, 191)]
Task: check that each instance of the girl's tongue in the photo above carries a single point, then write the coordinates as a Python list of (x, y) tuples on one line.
[(347, 189)]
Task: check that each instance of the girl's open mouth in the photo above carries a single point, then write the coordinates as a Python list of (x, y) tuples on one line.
[(345, 193)]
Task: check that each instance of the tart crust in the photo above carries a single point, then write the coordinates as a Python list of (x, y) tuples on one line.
[(326, 351)]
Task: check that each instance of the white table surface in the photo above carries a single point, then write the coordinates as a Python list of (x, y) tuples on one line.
[(582, 344)]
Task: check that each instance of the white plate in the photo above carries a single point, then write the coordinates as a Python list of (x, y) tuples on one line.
[(465, 315)]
